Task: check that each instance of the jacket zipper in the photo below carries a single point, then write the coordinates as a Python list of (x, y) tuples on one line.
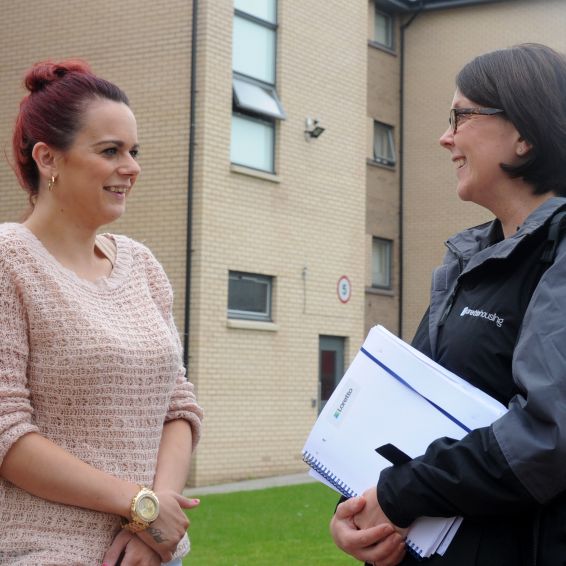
[(450, 302)]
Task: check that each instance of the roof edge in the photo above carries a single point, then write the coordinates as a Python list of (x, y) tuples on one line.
[(409, 6)]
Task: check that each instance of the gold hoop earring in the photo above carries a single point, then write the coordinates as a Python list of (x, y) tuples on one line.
[(51, 183)]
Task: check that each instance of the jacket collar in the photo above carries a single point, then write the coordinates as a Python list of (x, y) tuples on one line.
[(474, 244)]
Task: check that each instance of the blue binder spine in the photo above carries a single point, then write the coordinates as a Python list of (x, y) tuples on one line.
[(415, 550), (327, 474)]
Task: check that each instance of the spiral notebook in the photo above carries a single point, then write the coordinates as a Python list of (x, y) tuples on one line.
[(390, 405)]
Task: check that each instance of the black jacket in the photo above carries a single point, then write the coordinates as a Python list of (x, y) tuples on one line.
[(496, 318)]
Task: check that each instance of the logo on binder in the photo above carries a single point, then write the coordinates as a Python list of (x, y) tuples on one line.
[(340, 410)]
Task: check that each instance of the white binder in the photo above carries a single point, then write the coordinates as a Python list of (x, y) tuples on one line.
[(393, 394)]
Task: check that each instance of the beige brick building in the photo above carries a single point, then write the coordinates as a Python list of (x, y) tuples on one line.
[(295, 239)]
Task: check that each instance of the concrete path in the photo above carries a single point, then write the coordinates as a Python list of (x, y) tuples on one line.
[(250, 485)]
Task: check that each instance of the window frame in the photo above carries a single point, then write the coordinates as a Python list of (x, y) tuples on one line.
[(266, 24), (390, 20), (249, 113), (237, 314), (384, 159), (389, 275), (266, 122), (257, 19), (241, 107)]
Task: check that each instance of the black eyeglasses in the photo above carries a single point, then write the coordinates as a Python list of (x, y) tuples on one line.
[(455, 112)]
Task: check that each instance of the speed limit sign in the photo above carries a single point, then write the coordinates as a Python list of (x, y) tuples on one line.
[(344, 289)]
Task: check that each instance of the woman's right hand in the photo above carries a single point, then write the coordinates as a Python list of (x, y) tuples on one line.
[(380, 545), (129, 550), (165, 533)]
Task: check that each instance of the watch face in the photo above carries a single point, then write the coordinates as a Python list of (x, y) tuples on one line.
[(147, 508)]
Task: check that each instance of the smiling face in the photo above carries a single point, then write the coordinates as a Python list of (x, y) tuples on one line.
[(477, 149), (95, 175)]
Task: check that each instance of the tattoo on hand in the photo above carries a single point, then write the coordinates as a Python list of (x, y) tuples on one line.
[(157, 535)]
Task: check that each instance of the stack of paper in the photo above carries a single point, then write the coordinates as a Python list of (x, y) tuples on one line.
[(393, 395)]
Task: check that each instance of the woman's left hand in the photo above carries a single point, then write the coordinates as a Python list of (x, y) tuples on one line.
[(372, 514), (165, 533), (133, 550)]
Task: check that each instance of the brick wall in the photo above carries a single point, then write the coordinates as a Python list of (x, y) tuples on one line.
[(257, 384), (382, 182)]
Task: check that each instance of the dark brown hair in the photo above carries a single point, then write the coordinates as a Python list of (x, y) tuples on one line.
[(528, 82)]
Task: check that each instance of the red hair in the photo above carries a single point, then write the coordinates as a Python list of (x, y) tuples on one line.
[(52, 112)]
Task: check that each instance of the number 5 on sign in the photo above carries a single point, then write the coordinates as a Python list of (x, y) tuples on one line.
[(344, 289)]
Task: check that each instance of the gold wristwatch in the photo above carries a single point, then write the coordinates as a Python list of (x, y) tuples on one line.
[(144, 510)]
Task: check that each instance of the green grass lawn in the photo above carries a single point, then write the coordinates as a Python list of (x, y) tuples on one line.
[(285, 526)]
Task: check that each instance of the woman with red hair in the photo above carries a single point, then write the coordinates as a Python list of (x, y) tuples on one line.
[(97, 419)]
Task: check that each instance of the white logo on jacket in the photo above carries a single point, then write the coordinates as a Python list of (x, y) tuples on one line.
[(467, 311)]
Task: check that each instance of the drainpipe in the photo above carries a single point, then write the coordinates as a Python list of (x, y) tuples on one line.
[(189, 241), (402, 159)]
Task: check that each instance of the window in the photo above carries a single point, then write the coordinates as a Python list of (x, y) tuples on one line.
[(252, 142), (383, 29), (255, 104), (383, 144), (254, 49), (249, 296), (381, 263), (256, 98)]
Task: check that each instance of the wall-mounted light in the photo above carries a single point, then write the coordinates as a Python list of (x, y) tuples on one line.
[(312, 128)]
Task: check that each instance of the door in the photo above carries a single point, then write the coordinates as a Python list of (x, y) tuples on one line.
[(331, 367)]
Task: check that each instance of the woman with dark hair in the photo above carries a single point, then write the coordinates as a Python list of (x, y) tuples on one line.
[(97, 419), (507, 140)]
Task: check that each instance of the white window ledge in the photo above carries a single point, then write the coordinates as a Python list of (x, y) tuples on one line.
[(382, 47), (380, 291), (255, 173), (375, 163), (252, 325)]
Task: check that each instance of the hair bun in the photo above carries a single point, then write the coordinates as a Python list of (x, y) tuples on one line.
[(46, 72)]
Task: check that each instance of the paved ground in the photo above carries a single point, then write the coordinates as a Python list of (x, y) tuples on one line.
[(250, 485)]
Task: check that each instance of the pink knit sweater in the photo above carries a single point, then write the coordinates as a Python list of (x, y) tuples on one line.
[(94, 366)]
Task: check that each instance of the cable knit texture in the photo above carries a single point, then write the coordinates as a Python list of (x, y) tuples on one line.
[(97, 368)]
